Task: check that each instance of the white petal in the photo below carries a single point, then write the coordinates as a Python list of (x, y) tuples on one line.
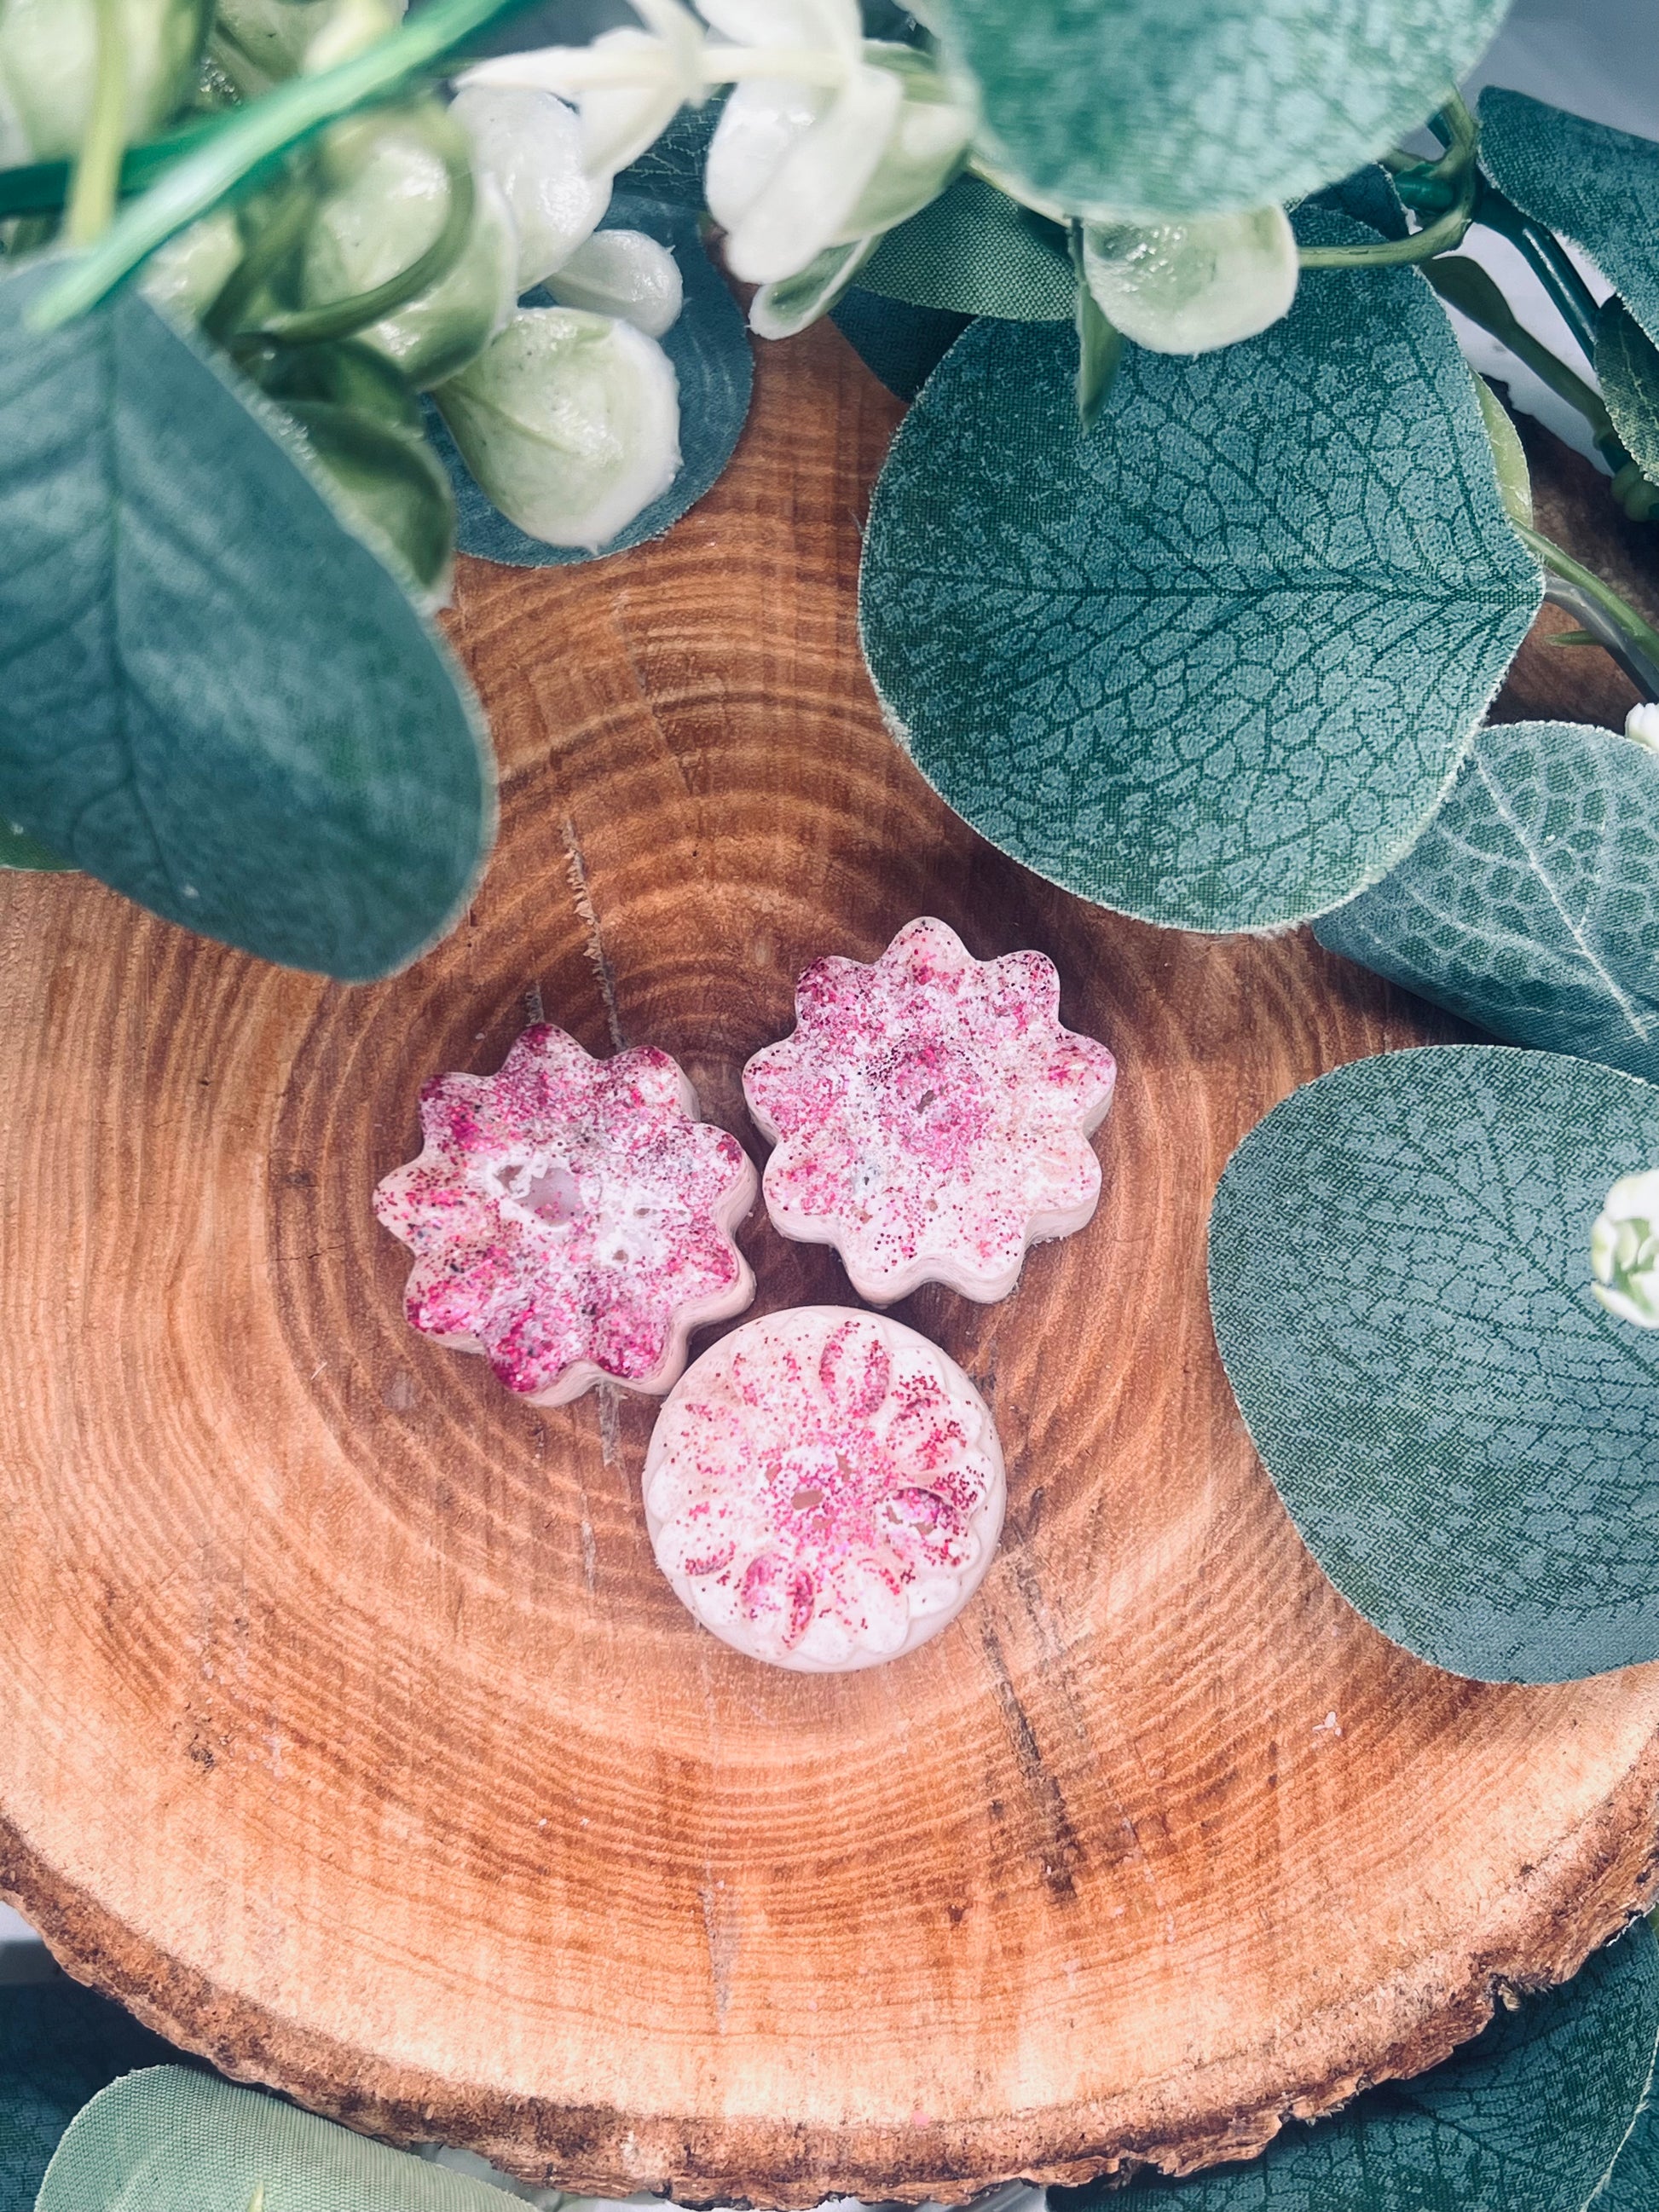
[(622, 272), (1634, 1198), (530, 144), (925, 151), (620, 121), (831, 23), (759, 126), (812, 193), (1191, 287), (570, 423)]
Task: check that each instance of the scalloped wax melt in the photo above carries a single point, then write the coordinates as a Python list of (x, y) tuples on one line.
[(931, 1116), (571, 1219), (824, 1489)]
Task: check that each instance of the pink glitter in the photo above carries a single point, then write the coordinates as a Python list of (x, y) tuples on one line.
[(571, 1219), (824, 1489), (930, 1116)]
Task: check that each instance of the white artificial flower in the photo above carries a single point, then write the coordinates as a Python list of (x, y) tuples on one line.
[(1192, 286), (622, 272), (1625, 1249), (530, 144), (570, 422), (838, 140), (1642, 723)]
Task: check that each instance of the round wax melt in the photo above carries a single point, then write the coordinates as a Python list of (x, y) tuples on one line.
[(824, 1489), (571, 1218), (931, 1116)]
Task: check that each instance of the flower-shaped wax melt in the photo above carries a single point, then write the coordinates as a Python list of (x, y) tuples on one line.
[(571, 1219), (930, 1116), (824, 1489)]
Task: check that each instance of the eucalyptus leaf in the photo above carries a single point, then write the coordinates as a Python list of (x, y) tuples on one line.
[(899, 343), (214, 696), (1627, 369), (59, 2045), (1544, 2112), (709, 347), (1530, 904), (976, 252), (1160, 108), (19, 850), (1595, 185), (1367, 197), (1508, 454), (1215, 664), (171, 2141), (1400, 1277)]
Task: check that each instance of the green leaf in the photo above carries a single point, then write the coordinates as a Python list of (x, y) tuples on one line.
[(1530, 904), (709, 347), (59, 2045), (19, 850), (1214, 665), (789, 305), (1543, 2112), (214, 696), (1627, 369), (1400, 1279), (1597, 186), (975, 252), (1367, 197), (170, 2141), (1146, 108), (900, 344), (1508, 455)]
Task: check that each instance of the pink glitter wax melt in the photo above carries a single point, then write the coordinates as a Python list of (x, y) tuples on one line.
[(571, 1219), (930, 1116), (824, 1489)]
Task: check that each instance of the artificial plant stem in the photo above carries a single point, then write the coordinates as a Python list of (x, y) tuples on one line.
[(1548, 261), (98, 171), (252, 136), (1482, 303), (1439, 237), (1639, 634)]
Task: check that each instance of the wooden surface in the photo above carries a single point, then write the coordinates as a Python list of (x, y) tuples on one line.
[(347, 1730)]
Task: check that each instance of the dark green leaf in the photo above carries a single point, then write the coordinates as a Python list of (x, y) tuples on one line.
[(1400, 1277), (1215, 664), (1627, 369), (1597, 186), (215, 697), (169, 2140), (1530, 904), (1367, 197), (1539, 2114), (901, 343), (19, 850), (1172, 107), (709, 349), (975, 252), (59, 2045)]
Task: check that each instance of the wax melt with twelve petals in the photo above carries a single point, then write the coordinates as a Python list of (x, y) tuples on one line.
[(930, 1116), (824, 1489), (571, 1218)]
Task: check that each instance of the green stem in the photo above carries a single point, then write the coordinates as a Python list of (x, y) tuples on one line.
[(1439, 237), (97, 173), (344, 319), (252, 136), (1548, 261), (1468, 287), (1638, 633)]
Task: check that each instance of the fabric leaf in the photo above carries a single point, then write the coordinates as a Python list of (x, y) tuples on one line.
[(1627, 370), (975, 252), (1214, 663), (1399, 1279), (900, 344), (1530, 904)]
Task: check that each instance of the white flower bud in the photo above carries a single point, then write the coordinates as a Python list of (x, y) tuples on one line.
[(570, 422), (624, 273), (49, 64), (1191, 287), (1625, 1249), (531, 144), (1642, 723)]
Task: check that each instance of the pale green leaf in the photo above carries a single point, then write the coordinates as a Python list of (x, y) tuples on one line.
[(788, 305), (171, 2141), (1627, 369), (1508, 455), (1598, 186), (709, 349), (1178, 107), (1191, 287), (1543, 2112), (975, 252), (1215, 664), (1530, 904), (59, 2045), (214, 696), (1400, 1277)]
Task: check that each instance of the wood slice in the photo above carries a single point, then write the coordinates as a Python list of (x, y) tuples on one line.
[(347, 1732)]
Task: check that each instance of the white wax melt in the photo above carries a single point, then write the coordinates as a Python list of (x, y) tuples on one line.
[(824, 1489), (571, 1219), (931, 1116)]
